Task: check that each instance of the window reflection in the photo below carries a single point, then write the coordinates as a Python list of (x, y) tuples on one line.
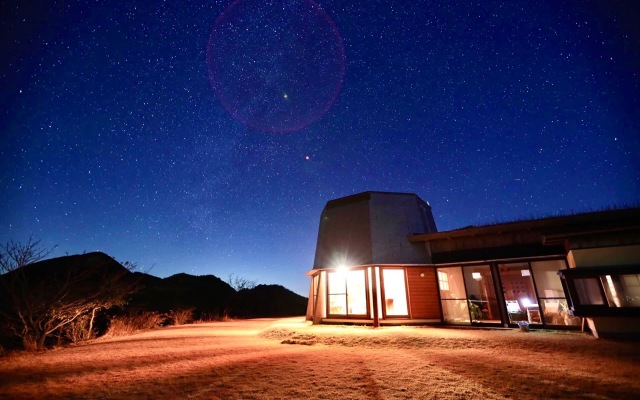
[(622, 290), (588, 290), (603, 291), (555, 310)]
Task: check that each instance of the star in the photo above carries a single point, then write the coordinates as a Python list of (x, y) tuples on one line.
[(465, 119)]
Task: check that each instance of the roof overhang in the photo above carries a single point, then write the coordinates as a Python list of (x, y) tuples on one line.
[(316, 270), (552, 229)]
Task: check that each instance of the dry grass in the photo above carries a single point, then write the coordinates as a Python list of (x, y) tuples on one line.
[(283, 359)]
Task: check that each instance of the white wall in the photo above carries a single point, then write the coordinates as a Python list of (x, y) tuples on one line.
[(604, 256)]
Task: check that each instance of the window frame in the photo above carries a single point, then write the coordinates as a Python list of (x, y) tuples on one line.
[(383, 297), (568, 278), (346, 294)]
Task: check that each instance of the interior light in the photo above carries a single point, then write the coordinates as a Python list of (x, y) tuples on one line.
[(525, 272), (476, 275)]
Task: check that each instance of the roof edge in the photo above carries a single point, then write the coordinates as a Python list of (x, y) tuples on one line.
[(628, 218)]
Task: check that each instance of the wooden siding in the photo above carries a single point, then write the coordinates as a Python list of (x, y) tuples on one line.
[(423, 293)]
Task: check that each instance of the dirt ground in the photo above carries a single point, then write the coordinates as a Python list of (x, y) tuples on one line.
[(286, 358)]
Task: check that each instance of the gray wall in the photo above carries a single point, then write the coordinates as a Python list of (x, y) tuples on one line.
[(394, 217), (343, 236), (372, 228)]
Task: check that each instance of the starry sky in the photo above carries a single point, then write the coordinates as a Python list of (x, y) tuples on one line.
[(206, 136)]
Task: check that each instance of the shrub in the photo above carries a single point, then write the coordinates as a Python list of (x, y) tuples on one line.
[(214, 316), (182, 316), (123, 325)]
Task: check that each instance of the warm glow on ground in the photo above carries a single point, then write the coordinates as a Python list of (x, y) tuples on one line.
[(290, 359)]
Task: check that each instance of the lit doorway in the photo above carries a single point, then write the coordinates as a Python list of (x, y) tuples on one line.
[(394, 293), (519, 293)]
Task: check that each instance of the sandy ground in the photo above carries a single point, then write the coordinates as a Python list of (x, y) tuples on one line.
[(286, 358)]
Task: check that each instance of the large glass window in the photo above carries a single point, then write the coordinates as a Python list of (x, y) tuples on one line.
[(395, 292), (555, 310), (453, 296), (609, 291), (481, 294), (347, 292), (519, 293)]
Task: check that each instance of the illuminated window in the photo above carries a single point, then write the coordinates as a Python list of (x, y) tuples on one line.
[(555, 310), (482, 300), (630, 290), (347, 293), (337, 293), (453, 296), (622, 290), (443, 280), (395, 292)]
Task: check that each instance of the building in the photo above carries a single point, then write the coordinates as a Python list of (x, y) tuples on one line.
[(380, 260)]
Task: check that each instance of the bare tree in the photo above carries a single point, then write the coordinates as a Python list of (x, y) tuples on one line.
[(239, 283), (16, 298), (115, 290), (41, 301), (14, 255)]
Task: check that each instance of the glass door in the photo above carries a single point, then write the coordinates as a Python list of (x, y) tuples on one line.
[(481, 294), (555, 310), (395, 293), (519, 293), (347, 293), (453, 296)]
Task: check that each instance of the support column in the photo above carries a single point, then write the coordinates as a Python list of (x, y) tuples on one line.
[(319, 299), (374, 293), (497, 285)]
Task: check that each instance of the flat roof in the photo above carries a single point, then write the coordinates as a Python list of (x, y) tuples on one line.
[(583, 223), (354, 198)]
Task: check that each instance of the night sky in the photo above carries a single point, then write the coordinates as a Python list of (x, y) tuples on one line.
[(206, 138)]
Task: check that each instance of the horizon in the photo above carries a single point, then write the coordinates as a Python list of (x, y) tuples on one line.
[(162, 135)]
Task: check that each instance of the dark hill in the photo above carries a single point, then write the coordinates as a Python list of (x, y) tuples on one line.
[(146, 279), (206, 294), (79, 276), (268, 301), (52, 297), (75, 297), (93, 263)]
